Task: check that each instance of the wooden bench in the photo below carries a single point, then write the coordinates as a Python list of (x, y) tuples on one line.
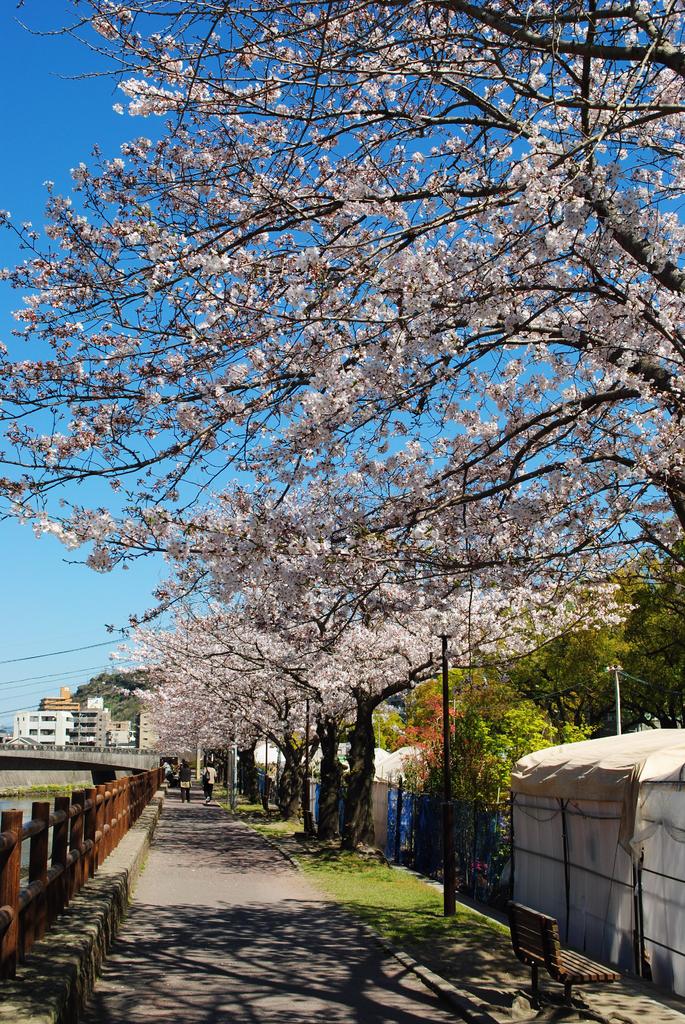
[(536, 942)]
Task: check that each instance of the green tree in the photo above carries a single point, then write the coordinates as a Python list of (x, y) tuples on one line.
[(569, 679), (118, 690), (492, 727), (654, 657), (388, 727)]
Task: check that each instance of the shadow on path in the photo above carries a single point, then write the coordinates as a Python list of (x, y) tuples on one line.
[(223, 929)]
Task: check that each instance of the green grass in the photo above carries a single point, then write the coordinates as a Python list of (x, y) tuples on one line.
[(269, 825), (403, 908), (52, 789)]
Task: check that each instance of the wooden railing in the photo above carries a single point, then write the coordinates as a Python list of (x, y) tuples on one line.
[(86, 828)]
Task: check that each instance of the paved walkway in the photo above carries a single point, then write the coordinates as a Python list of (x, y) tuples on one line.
[(492, 983), (223, 929)]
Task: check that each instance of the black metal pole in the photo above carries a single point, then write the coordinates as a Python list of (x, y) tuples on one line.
[(306, 811), (267, 787), (449, 874)]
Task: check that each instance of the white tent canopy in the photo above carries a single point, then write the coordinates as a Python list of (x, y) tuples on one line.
[(392, 766), (609, 769), (599, 843), (269, 753)]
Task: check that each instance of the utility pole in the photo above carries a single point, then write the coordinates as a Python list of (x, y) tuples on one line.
[(617, 670), (449, 873)]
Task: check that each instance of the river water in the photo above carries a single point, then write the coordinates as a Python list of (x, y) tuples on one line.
[(8, 803)]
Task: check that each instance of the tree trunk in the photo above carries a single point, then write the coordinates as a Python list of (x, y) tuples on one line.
[(331, 778), (359, 800), (250, 779), (292, 779)]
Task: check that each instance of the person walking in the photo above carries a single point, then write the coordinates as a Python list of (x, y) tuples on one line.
[(184, 777), (208, 780)]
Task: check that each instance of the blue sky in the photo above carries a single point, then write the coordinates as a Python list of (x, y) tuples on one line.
[(50, 121)]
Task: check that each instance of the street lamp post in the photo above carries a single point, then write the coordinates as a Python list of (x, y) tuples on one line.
[(449, 874), (306, 810), (234, 774)]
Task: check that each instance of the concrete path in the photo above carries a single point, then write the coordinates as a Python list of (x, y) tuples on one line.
[(223, 929)]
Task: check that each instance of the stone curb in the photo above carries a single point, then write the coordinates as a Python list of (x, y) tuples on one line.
[(61, 971), (472, 1010)]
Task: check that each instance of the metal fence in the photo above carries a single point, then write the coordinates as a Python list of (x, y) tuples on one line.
[(482, 843), (409, 832)]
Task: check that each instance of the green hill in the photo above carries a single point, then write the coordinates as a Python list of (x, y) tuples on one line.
[(117, 690)]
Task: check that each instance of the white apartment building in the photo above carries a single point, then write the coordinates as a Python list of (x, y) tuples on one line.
[(49, 727), (91, 724), (119, 734)]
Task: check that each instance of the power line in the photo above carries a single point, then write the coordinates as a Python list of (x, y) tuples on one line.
[(7, 687), (13, 711), (52, 654), (51, 675), (54, 675)]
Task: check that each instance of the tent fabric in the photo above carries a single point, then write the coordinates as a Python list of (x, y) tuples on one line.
[(599, 843), (393, 765), (609, 769)]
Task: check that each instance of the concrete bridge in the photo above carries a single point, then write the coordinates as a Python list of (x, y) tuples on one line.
[(24, 766)]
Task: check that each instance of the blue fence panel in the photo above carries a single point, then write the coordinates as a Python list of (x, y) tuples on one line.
[(341, 807), (399, 846), (464, 843), (493, 852), (481, 841), (428, 841)]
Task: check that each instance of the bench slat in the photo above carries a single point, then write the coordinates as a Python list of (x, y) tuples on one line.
[(536, 941), (580, 967), (534, 938)]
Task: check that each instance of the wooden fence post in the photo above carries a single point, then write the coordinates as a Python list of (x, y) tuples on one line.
[(78, 799), (34, 924), (108, 820), (10, 868), (100, 826), (89, 834), (116, 813), (59, 890)]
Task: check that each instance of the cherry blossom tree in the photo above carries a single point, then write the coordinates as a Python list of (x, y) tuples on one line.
[(428, 247), (261, 682), (382, 323), (269, 650)]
